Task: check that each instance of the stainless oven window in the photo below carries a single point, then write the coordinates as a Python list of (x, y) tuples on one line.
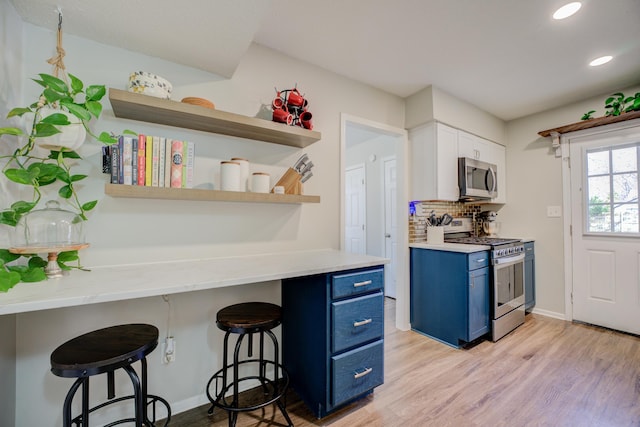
[(509, 287)]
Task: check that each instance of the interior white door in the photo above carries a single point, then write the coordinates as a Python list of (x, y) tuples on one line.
[(355, 210), (390, 226), (605, 238)]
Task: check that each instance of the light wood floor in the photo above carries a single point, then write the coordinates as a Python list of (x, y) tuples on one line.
[(546, 373)]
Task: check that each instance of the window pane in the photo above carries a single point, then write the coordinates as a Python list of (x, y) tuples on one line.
[(624, 160), (599, 189), (599, 218), (597, 162), (625, 187), (626, 219)]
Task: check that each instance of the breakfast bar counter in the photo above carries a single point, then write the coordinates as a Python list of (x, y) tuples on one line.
[(124, 282)]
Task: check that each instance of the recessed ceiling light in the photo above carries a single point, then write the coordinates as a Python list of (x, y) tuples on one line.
[(567, 10), (601, 60)]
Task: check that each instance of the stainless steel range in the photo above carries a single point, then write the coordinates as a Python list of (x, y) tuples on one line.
[(507, 275)]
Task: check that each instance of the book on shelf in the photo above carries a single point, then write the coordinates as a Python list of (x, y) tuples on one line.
[(115, 164), (161, 161), (148, 153), (134, 161), (141, 159), (106, 159), (190, 162), (154, 161), (167, 163), (177, 149)]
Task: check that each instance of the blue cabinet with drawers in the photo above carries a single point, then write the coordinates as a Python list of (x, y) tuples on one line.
[(333, 336), (450, 295)]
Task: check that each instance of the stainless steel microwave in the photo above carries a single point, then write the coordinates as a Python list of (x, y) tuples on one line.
[(478, 180)]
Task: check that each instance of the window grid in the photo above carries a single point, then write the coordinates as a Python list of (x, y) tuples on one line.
[(612, 215)]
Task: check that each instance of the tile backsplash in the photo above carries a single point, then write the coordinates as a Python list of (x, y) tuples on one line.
[(417, 220)]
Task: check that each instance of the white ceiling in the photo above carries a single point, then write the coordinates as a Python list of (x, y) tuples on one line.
[(508, 57)]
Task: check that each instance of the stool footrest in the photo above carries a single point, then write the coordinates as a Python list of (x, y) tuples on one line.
[(273, 391), (151, 400)]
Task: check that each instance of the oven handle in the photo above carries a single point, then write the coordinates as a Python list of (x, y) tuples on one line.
[(509, 260)]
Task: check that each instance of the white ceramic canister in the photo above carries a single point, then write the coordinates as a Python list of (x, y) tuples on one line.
[(260, 182), (229, 176), (244, 172)]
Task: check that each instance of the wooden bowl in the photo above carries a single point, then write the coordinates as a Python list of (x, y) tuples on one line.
[(198, 101)]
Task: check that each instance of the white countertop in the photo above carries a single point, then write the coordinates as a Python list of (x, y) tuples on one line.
[(451, 247), (123, 282)]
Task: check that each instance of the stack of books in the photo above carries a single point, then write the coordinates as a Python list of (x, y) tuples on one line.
[(152, 161)]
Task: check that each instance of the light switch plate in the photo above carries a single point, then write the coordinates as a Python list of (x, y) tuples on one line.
[(554, 211)]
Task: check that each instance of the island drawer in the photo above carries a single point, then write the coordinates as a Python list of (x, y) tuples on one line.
[(357, 371), (356, 283), (357, 320), (478, 260)]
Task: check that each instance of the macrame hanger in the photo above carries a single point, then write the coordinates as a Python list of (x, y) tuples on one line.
[(57, 60)]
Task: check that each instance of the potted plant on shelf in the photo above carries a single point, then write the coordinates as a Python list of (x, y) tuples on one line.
[(57, 125)]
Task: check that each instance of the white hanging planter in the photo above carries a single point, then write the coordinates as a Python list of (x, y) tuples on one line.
[(71, 137)]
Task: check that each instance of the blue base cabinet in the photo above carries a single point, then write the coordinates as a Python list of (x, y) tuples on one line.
[(333, 336), (529, 276), (450, 295)]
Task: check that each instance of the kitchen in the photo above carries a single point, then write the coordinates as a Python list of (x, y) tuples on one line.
[(220, 229)]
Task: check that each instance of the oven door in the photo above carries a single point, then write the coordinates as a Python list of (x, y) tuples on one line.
[(508, 284)]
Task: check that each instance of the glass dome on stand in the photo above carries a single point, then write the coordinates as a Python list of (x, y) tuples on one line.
[(51, 230)]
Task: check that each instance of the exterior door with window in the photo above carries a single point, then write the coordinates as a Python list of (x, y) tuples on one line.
[(605, 236)]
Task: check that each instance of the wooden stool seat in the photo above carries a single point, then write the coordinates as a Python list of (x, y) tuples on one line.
[(244, 320), (105, 351), (249, 317)]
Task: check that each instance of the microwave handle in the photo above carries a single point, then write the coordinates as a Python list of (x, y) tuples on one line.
[(493, 179)]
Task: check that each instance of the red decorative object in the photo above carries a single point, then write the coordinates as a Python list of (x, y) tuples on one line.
[(290, 107)]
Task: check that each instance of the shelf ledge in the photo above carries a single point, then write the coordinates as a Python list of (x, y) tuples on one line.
[(149, 109), (143, 192)]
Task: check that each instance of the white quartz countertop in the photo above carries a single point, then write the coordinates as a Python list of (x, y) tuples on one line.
[(451, 247), (123, 282)]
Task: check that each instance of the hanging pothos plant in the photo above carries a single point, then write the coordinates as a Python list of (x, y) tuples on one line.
[(59, 108), (617, 104)]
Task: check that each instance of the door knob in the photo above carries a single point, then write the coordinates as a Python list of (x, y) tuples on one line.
[(388, 236)]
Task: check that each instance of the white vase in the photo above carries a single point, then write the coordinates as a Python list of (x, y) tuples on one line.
[(71, 137)]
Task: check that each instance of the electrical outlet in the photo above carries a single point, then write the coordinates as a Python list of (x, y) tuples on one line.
[(168, 350), (554, 211)]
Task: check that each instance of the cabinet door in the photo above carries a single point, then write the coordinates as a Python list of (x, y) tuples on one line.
[(529, 277), (478, 303), (467, 145), (434, 162)]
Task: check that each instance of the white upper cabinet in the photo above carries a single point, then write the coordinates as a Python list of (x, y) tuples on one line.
[(434, 162)]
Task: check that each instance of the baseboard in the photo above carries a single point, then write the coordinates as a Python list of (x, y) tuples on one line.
[(188, 404), (548, 313)]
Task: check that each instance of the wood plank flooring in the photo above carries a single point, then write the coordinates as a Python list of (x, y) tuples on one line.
[(545, 373)]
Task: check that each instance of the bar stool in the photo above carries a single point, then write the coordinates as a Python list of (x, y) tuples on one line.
[(246, 319), (105, 351)]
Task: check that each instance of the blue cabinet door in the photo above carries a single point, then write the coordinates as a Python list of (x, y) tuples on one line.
[(478, 303), (529, 276)]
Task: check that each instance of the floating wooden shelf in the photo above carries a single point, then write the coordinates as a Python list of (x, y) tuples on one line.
[(591, 123), (140, 192), (146, 108)]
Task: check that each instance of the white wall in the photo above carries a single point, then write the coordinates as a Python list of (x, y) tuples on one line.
[(131, 230), (535, 182), (10, 93), (382, 146)]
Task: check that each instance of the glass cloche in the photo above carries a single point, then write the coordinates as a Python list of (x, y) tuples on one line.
[(51, 230)]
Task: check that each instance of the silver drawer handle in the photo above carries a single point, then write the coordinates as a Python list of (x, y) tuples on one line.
[(365, 283), (481, 260), (362, 322), (366, 371)]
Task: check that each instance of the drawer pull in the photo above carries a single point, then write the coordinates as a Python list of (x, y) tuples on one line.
[(366, 371), (481, 260), (362, 322), (365, 283)]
